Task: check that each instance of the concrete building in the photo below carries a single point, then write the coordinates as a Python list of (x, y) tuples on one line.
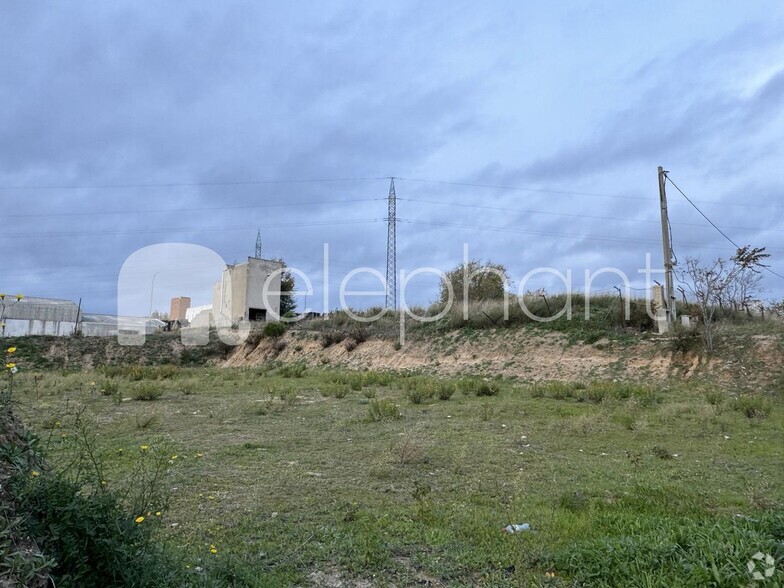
[(240, 295), (179, 308), (38, 316), (194, 311)]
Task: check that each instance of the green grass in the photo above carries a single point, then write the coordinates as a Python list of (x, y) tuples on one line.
[(623, 484)]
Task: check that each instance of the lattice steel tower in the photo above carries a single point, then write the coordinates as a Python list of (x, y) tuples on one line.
[(258, 245), (392, 247)]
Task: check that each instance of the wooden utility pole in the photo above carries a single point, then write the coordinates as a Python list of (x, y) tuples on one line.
[(669, 291)]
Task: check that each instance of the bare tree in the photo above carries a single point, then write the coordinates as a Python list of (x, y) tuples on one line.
[(725, 283)]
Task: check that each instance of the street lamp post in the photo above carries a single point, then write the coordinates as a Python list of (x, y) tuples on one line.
[(152, 289)]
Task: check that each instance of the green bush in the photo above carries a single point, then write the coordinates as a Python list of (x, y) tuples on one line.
[(383, 410), (417, 396), (109, 387), (485, 388), (90, 536), (292, 370), (446, 390), (754, 407), (147, 392), (274, 330)]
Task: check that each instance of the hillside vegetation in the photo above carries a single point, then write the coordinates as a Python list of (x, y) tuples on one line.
[(327, 455)]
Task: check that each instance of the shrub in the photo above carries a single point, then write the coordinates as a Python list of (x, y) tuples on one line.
[(715, 397), (350, 344), (416, 396), (147, 392), (329, 338), (446, 390), (335, 391), (754, 407), (109, 387), (274, 330), (293, 370), (383, 410), (340, 392), (93, 540), (486, 388), (369, 393)]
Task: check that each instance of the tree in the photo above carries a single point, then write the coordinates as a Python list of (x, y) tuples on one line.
[(287, 302), (724, 283), (475, 281)]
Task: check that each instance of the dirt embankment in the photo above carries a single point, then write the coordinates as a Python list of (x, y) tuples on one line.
[(532, 356)]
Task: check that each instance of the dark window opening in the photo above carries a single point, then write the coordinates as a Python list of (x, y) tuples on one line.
[(257, 314)]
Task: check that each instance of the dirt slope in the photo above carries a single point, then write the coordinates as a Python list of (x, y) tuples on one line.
[(521, 353)]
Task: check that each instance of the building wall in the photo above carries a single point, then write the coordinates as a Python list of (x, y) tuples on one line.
[(242, 288), (194, 311), (179, 308), (258, 271)]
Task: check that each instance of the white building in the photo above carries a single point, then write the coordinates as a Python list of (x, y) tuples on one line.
[(248, 292), (38, 316)]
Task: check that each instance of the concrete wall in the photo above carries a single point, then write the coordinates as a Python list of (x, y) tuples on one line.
[(258, 272), (242, 288)]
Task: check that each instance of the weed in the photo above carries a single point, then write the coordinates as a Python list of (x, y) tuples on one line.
[(446, 390), (369, 393), (410, 450), (417, 396), (383, 410), (339, 391), (146, 420), (715, 397), (661, 452), (573, 501), (485, 388), (292, 370), (147, 392), (754, 407), (109, 387)]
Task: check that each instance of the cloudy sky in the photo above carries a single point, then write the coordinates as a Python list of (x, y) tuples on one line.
[(529, 131)]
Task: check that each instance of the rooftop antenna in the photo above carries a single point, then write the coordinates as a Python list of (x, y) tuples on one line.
[(258, 244)]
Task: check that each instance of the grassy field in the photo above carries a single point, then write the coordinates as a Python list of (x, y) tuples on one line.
[(281, 476)]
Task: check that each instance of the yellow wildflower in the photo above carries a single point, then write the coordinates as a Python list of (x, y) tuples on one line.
[(174, 457), (11, 349), (35, 473), (144, 447), (158, 513), (213, 549), (10, 366), (211, 497), (199, 455), (138, 520)]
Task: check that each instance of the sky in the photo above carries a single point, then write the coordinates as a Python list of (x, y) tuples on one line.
[(529, 133)]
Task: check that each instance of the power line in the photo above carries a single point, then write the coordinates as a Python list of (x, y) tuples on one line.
[(723, 234), (184, 184), (539, 233), (190, 229), (571, 215), (550, 191), (202, 209)]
